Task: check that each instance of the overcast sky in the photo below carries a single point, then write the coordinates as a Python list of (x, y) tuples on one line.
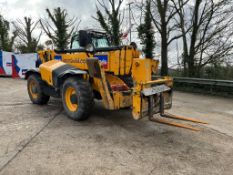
[(82, 9), (13, 9), (18, 9)]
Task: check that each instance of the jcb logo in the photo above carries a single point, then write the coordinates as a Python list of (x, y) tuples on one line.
[(80, 61)]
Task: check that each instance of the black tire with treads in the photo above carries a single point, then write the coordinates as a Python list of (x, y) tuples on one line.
[(41, 97), (84, 95)]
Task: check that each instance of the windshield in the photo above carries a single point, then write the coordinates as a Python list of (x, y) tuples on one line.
[(99, 41)]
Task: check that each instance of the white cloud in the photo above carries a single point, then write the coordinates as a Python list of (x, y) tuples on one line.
[(18, 9), (12, 9)]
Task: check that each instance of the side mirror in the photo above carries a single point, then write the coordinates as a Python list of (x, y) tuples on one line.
[(84, 38)]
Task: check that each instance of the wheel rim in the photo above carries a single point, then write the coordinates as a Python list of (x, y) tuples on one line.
[(33, 89), (70, 92)]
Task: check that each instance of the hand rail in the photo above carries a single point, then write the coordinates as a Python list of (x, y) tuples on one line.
[(203, 81)]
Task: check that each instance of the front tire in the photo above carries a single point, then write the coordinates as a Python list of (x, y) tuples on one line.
[(35, 90), (77, 98)]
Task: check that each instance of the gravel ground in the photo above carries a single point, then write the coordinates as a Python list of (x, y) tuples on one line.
[(42, 140)]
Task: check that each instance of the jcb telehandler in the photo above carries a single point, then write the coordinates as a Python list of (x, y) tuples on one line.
[(93, 69)]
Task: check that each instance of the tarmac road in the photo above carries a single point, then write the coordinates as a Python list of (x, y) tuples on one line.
[(42, 140)]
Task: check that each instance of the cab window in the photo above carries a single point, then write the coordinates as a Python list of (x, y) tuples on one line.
[(100, 42), (75, 45), (97, 41)]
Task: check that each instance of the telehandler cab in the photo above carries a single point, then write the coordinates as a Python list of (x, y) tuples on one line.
[(94, 69)]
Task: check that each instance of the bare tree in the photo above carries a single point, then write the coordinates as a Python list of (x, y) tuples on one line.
[(60, 28), (207, 33), (111, 20), (163, 13), (27, 42)]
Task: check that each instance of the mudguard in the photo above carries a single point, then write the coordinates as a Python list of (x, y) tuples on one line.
[(31, 71), (54, 72), (63, 72)]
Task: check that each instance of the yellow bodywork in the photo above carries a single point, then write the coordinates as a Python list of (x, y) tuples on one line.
[(119, 61), (141, 73), (124, 62), (120, 100), (94, 69), (47, 68)]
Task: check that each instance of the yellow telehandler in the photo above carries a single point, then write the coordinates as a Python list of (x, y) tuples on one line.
[(93, 69)]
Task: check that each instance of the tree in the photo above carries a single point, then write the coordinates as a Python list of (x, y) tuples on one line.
[(49, 44), (111, 21), (6, 43), (40, 47), (207, 33), (145, 32), (163, 13), (60, 27), (27, 43)]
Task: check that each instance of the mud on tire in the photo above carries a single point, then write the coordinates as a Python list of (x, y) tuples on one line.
[(77, 98), (35, 90)]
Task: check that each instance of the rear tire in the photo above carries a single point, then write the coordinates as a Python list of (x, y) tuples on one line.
[(77, 98), (35, 90)]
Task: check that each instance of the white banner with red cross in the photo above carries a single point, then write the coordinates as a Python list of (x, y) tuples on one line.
[(21, 63), (5, 63)]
